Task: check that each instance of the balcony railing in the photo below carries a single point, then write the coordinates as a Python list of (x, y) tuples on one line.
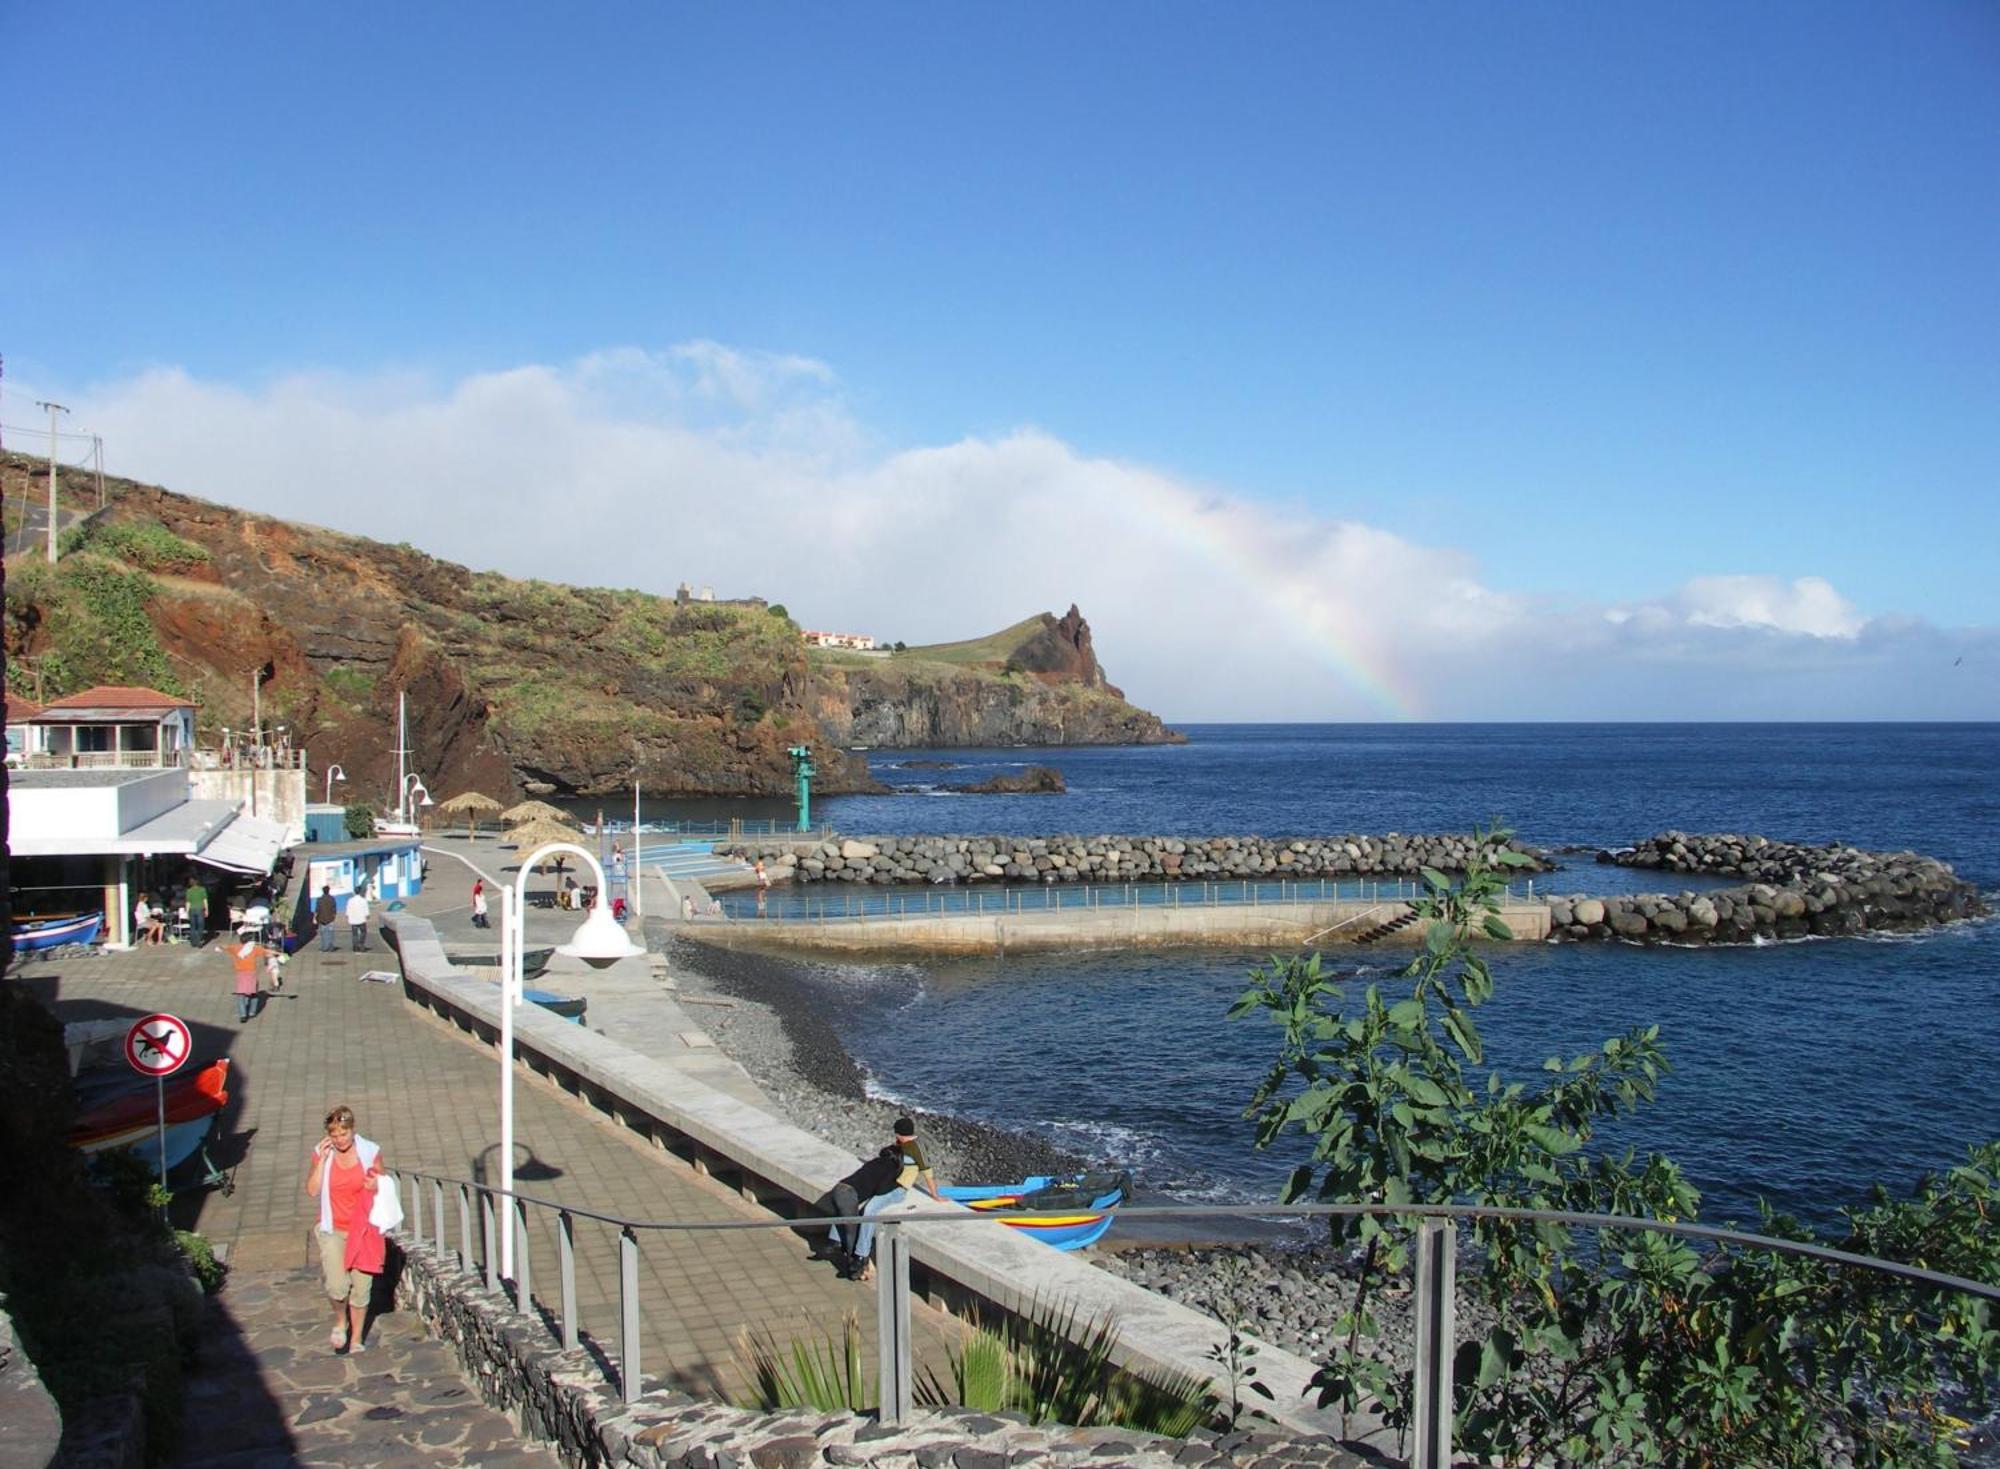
[(103, 760), (472, 1240)]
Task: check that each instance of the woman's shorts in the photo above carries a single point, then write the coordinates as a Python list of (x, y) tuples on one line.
[(342, 1284)]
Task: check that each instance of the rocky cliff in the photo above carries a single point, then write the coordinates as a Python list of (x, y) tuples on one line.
[(512, 684), (1036, 683)]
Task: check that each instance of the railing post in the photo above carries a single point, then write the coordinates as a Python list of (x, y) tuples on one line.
[(486, 1238), (630, 1383), (566, 1267), (437, 1214), (892, 1324), (465, 1227), (524, 1290), (1437, 1303)]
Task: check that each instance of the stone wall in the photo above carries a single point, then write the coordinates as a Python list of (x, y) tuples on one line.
[(562, 1397), (904, 859), (1795, 891)]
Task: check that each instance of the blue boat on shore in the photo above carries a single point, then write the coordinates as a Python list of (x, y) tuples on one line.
[(35, 935), (1067, 1213)]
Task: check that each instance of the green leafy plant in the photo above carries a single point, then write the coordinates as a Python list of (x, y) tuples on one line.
[(1234, 1356), (1051, 1366), (359, 819), (201, 1259), (1611, 1346), (810, 1372)]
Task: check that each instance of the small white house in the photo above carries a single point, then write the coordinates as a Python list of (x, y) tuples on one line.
[(110, 726)]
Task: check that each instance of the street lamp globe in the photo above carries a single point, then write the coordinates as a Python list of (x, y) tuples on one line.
[(599, 940)]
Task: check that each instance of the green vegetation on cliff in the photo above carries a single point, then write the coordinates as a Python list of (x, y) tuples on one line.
[(92, 618)]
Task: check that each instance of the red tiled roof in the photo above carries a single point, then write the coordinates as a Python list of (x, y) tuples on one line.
[(20, 708), (118, 696)]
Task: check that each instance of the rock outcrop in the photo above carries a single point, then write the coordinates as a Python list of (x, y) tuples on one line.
[(1036, 780), (512, 684), (894, 859), (1795, 891)]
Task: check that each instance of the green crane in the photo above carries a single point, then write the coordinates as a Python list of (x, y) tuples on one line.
[(802, 771)]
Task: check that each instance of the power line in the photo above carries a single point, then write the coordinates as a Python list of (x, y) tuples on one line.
[(41, 431)]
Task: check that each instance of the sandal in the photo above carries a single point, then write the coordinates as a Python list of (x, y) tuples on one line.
[(337, 1338)]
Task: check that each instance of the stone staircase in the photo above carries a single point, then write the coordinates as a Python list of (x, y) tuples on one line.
[(267, 1390), (1383, 930)]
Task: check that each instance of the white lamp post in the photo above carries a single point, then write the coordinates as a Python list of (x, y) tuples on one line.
[(412, 795), (333, 773), (598, 941)]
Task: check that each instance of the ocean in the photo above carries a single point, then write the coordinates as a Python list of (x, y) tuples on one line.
[(1804, 1073)]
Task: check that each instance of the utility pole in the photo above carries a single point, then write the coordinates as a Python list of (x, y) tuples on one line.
[(97, 450), (54, 409)]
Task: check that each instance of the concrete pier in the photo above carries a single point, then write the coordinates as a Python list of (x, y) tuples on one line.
[(1215, 925)]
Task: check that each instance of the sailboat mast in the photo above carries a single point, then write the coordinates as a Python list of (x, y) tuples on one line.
[(402, 749)]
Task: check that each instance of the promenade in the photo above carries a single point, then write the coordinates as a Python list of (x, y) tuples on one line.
[(427, 1094)]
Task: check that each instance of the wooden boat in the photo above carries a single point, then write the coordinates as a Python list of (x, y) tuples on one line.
[(533, 961), (1067, 1213), (32, 935), (131, 1119), (570, 1007)]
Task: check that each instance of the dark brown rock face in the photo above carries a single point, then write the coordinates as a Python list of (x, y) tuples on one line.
[(1036, 780)]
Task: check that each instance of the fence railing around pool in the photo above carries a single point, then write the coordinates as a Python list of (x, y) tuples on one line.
[(952, 900), (472, 1236)]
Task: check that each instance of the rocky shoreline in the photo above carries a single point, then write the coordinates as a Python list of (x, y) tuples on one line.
[(774, 1027), (1795, 891), (1001, 859)]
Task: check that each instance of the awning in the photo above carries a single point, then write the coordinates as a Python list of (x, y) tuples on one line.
[(248, 844)]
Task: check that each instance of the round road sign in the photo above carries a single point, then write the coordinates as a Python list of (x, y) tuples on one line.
[(159, 1045)]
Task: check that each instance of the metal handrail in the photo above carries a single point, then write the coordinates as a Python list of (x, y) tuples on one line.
[(1435, 1302), (863, 902)]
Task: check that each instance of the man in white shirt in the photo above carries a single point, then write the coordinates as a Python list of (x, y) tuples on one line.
[(357, 919)]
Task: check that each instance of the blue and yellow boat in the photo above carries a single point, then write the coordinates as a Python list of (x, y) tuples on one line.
[(1067, 1213)]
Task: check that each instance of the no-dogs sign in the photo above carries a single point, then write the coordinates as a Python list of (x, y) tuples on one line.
[(159, 1045)]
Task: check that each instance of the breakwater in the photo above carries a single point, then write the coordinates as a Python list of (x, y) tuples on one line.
[(1794, 891), (974, 859)]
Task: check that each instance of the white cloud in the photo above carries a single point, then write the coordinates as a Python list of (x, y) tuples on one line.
[(749, 472), (1808, 605)]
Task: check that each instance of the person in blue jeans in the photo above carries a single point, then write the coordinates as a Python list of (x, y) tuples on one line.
[(906, 1157), (324, 912)]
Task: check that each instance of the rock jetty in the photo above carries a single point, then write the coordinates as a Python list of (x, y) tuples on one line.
[(1794, 891), (906, 859)]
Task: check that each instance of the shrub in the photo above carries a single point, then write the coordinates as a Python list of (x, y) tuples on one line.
[(1629, 1347), (360, 821)]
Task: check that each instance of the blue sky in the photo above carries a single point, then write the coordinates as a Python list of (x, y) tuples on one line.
[(1593, 303)]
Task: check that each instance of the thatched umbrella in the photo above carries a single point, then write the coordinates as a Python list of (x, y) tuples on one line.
[(536, 810), (473, 804), (532, 834)]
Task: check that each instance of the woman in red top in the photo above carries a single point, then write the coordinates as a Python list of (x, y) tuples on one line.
[(342, 1178)]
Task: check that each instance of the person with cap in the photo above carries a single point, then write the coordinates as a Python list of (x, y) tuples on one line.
[(905, 1156)]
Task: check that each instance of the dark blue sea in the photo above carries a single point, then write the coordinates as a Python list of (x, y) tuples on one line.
[(1803, 1072)]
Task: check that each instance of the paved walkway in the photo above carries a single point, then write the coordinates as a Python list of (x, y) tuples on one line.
[(267, 1392), (428, 1095)]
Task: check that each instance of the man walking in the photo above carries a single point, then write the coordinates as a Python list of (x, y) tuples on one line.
[(357, 919), (197, 908), (324, 912)]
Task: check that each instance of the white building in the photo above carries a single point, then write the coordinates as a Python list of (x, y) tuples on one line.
[(98, 837), (859, 642), (110, 726)]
